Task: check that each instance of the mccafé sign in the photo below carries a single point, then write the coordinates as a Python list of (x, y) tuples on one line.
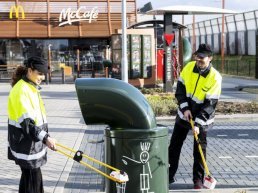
[(67, 16), (16, 9)]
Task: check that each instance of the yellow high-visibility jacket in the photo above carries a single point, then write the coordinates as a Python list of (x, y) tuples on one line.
[(27, 125), (199, 93)]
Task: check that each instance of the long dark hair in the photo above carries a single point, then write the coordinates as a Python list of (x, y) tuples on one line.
[(19, 72)]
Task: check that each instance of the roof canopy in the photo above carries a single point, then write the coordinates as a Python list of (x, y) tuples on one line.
[(153, 23), (189, 10)]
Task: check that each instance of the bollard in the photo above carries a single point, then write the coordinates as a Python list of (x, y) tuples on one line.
[(63, 75)]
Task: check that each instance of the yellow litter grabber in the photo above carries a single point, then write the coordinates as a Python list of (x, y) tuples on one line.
[(116, 175)]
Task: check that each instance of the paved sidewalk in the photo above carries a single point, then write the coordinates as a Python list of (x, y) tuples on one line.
[(232, 149)]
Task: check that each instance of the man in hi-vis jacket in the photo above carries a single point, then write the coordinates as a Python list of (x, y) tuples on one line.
[(197, 93)]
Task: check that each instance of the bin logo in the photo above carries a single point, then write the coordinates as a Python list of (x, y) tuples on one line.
[(146, 171), (16, 9)]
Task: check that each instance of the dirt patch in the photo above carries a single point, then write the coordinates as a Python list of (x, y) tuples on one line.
[(251, 90), (236, 107)]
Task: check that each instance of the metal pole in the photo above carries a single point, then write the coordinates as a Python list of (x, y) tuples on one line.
[(156, 45), (222, 38), (168, 79), (124, 71), (49, 63), (194, 38), (78, 63)]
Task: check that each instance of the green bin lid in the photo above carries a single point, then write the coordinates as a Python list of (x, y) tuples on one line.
[(115, 103)]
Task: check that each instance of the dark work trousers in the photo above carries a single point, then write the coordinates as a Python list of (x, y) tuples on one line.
[(180, 132), (31, 181)]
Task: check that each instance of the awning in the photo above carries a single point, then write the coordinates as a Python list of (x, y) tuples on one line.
[(189, 10)]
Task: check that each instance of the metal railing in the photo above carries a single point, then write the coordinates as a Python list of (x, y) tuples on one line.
[(6, 71), (239, 33), (237, 67)]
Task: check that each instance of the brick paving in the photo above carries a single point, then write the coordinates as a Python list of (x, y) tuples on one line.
[(232, 149), (232, 155), (82, 179), (232, 158)]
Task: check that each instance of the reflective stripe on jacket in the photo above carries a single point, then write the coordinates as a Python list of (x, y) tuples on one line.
[(27, 125), (198, 93)]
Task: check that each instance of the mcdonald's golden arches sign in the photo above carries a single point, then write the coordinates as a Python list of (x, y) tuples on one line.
[(17, 9)]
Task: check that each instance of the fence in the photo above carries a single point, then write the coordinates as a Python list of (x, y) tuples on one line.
[(239, 33), (238, 67)]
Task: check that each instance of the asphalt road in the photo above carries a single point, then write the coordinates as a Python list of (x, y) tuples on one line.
[(231, 89)]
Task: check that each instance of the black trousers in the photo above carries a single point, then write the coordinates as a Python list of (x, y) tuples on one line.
[(31, 181), (180, 132)]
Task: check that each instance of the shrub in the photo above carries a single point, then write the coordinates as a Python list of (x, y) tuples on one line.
[(162, 104), (151, 91), (165, 104)]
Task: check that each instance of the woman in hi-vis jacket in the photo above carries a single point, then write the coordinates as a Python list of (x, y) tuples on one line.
[(27, 125)]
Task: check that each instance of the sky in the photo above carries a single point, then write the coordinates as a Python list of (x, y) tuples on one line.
[(235, 5)]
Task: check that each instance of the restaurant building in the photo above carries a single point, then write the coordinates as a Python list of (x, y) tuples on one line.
[(62, 31)]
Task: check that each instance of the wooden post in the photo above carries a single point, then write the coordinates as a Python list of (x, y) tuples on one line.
[(106, 72)]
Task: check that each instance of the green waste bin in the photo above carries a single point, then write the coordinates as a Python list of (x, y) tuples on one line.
[(142, 154), (133, 141)]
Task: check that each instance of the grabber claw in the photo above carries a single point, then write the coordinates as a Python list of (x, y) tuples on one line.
[(120, 176)]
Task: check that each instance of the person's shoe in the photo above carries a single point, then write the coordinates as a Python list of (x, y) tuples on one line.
[(170, 183), (198, 184), (171, 180)]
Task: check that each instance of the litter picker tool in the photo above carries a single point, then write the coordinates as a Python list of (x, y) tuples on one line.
[(118, 176), (209, 181)]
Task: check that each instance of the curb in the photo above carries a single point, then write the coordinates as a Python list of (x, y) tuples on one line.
[(219, 116), (224, 190), (238, 77)]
